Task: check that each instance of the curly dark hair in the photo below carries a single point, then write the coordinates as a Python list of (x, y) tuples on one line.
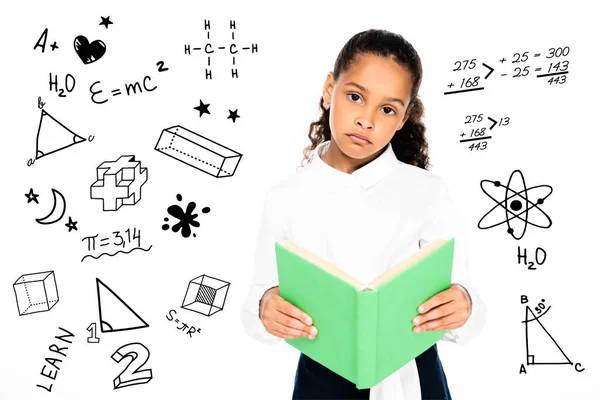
[(409, 143)]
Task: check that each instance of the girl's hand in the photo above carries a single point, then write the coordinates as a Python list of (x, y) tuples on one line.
[(447, 310), (283, 319)]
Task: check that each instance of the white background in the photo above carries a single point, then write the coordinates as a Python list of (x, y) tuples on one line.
[(551, 138)]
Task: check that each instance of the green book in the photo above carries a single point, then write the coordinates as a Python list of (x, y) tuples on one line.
[(365, 331)]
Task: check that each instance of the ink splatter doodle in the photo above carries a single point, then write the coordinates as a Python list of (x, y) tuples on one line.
[(186, 218)]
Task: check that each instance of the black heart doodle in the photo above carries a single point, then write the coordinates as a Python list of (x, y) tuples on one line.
[(89, 52)]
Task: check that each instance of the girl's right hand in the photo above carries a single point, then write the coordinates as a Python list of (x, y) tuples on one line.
[(283, 319)]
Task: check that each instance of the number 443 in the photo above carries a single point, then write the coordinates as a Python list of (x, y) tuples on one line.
[(478, 146)]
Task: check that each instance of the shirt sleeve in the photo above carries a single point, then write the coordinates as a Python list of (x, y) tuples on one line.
[(443, 222), (272, 228)]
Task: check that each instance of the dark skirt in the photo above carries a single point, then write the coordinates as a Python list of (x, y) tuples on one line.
[(314, 381)]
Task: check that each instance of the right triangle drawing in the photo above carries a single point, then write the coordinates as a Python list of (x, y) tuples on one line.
[(54, 137), (115, 314), (541, 346)]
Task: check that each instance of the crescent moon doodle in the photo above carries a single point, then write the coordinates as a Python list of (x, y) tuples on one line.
[(58, 209)]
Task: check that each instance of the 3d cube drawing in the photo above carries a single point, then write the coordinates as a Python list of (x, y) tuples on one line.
[(205, 295), (198, 151), (36, 292)]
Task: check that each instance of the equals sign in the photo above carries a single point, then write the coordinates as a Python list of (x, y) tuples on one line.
[(116, 92), (503, 75), (537, 54), (538, 69), (176, 320)]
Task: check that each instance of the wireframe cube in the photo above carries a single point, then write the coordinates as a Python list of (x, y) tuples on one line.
[(36, 292), (198, 151), (205, 295)]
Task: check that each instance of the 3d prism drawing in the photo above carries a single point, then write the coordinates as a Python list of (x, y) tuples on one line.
[(36, 292), (119, 183), (205, 295), (198, 151)]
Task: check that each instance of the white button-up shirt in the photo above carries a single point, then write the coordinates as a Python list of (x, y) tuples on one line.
[(364, 223)]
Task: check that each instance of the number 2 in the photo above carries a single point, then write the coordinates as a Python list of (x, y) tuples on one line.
[(132, 375), (161, 66)]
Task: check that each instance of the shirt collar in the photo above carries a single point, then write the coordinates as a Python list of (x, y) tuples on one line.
[(365, 177)]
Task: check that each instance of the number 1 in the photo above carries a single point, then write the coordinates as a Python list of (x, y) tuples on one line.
[(92, 329)]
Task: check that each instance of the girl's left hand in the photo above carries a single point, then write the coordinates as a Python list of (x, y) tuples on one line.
[(447, 310)]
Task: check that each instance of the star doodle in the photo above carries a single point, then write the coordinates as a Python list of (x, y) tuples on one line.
[(32, 196), (233, 115), (105, 21), (203, 108), (71, 224)]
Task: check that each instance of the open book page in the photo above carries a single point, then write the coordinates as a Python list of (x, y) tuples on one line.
[(321, 263), (406, 263), (335, 271)]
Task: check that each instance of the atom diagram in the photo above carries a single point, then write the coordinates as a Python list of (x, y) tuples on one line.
[(516, 209)]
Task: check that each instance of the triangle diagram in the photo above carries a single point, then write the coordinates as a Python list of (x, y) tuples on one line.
[(541, 346), (52, 136), (115, 314)]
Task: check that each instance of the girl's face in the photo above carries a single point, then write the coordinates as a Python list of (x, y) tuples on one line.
[(369, 100)]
